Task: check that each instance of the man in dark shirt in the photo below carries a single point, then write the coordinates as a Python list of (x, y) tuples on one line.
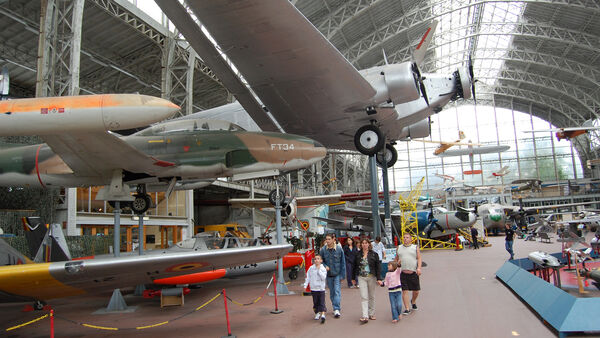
[(510, 235), (474, 234)]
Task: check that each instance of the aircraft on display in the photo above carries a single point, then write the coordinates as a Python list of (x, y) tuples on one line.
[(528, 184), (494, 215), (471, 151), (361, 220), (543, 259), (171, 155), (306, 84), (43, 281), (445, 145), (566, 133), (49, 243), (289, 204), (592, 274), (500, 173)]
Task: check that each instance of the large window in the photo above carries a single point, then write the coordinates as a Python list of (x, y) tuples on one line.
[(530, 155), (174, 206)]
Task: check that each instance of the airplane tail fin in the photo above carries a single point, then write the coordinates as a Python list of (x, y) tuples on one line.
[(47, 242), (10, 256), (423, 45)]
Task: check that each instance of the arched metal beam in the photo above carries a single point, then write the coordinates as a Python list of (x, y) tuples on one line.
[(569, 37), (539, 99)]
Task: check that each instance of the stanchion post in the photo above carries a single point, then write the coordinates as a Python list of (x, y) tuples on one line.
[(276, 311), (457, 243), (51, 323), (227, 315)]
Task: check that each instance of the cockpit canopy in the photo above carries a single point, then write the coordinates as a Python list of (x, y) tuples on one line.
[(189, 125)]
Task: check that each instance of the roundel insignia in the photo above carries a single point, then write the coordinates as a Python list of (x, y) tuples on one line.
[(304, 225), (185, 267)]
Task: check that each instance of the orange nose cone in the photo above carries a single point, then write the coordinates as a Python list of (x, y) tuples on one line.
[(192, 278), (292, 259)]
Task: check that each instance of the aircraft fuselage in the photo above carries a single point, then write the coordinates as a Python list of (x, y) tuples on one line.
[(188, 155)]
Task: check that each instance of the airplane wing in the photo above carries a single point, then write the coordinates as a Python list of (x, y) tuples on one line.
[(304, 81), (43, 281), (99, 153), (304, 200), (561, 129), (477, 150)]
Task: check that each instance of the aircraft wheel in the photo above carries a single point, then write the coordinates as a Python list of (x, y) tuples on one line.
[(274, 197), (39, 305), (369, 140), (141, 203), (389, 154), (293, 274)]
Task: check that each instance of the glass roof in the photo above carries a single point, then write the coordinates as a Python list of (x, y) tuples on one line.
[(479, 24)]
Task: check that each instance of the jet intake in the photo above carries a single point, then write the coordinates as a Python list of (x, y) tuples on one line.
[(416, 130)]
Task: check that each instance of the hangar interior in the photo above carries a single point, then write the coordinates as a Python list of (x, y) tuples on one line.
[(537, 65)]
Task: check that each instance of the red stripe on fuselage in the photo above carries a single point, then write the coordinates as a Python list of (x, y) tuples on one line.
[(37, 167)]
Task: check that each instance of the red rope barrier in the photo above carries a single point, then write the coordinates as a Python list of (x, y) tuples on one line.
[(226, 313), (51, 323)]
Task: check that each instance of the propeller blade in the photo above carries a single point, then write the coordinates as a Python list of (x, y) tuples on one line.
[(472, 74), (423, 91)]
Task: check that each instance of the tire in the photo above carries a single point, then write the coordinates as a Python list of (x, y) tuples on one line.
[(390, 154), (141, 204), (38, 305), (273, 197), (369, 140), (293, 274)]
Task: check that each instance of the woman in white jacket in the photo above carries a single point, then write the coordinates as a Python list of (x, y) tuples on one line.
[(316, 277)]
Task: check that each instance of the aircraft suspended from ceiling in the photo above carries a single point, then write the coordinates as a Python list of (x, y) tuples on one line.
[(471, 151), (566, 133), (306, 84), (501, 173), (445, 145)]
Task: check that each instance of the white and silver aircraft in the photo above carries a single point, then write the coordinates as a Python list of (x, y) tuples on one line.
[(306, 84)]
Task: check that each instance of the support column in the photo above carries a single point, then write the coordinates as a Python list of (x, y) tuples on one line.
[(374, 197), (72, 212), (59, 48), (281, 287)]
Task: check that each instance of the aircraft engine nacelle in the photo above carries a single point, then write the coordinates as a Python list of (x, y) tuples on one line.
[(289, 209), (397, 83), (416, 130)]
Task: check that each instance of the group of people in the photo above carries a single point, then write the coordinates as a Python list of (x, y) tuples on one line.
[(360, 264)]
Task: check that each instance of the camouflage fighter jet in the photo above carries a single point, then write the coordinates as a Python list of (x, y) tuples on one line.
[(177, 154)]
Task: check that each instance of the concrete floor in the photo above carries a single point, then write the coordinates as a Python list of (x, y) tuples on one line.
[(460, 298)]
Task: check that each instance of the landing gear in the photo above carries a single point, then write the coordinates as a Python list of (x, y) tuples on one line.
[(293, 274), (389, 155), (140, 204), (38, 305), (369, 140), (142, 200), (276, 196)]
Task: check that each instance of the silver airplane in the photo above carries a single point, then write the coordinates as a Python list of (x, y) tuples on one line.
[(306, 84)]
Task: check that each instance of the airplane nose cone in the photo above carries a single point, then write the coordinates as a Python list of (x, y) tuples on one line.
[(159, 107)]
